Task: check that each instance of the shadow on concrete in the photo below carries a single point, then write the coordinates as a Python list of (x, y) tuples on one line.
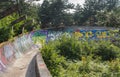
[(32, 70)]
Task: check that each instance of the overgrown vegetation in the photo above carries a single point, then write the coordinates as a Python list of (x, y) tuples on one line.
[(69, 57), (9, 30)]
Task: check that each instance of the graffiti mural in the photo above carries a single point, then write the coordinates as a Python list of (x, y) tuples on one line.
[(39, 36), (92, 34), (47, 35), (22, 44), (3, 60), (2, 56), (8, 52), (52, 35)]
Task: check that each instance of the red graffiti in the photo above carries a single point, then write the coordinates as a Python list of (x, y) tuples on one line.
[(2, 57), (42, 65)]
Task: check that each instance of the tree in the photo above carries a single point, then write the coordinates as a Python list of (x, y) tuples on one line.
[(9, 30), (68, 19), (52, 12), (91, 9), (5, 4), (109, 19), (78, 15), (44, 13), (111, 4), (57, 8)]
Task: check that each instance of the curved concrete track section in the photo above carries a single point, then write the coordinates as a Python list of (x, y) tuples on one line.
[(20, 66)]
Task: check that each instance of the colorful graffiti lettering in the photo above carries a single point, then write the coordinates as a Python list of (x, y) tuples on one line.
[(52, 35), (8, 52), (39, 36), (22, 44), (92, 34), (14, 50), (79, 34)]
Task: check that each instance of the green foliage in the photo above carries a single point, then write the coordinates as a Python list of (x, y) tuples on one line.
[(30, 10), (107, 51), (68, 19), (93, 13), (52, 13), (98, 12), (9, 31), (69, 48), (53, 60), (68, 57), (4, 34), (116, 42), (5, 4), (109, 19), (5, 27)]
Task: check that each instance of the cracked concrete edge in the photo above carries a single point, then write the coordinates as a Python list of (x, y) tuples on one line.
[(42, 68)]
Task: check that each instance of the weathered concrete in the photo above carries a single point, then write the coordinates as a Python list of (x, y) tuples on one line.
[(20, 66), (31, 71), (43, 70), (37, 67)]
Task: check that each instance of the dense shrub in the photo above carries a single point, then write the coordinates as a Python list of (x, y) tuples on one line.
[(68, 57), (107, 51), (116, 42), (69, 48), (52, 59)]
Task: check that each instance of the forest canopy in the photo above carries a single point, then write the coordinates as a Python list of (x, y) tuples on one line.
[(93, 13)]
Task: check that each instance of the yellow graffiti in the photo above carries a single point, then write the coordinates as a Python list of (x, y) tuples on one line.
[(78, 35), (89, 34), (38, 40), (102, 35)]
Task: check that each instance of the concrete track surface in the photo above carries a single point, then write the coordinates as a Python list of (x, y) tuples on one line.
[(19, 68)]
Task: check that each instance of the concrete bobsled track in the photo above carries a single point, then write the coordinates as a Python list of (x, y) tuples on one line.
[(22, 58)]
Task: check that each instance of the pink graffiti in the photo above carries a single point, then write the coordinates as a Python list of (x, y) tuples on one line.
[(2, 57), (2, 66)]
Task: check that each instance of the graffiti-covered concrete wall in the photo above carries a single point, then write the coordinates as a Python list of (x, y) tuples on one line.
[(13, 50), (92, 34), (95, 34)]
